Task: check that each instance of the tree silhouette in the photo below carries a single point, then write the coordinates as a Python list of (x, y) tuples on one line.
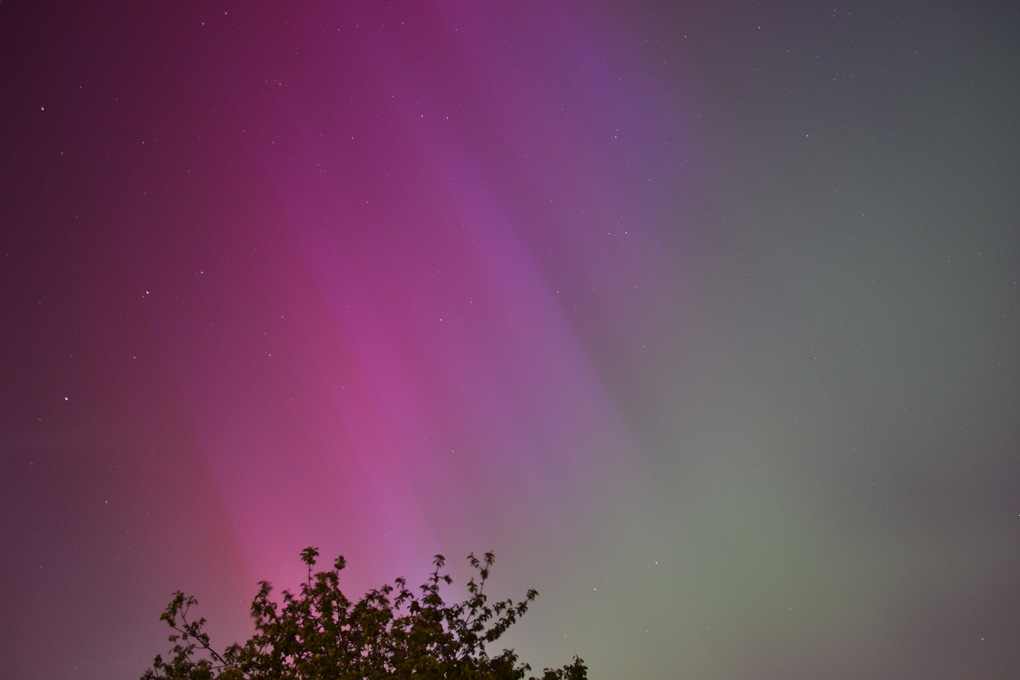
[(390, 633)]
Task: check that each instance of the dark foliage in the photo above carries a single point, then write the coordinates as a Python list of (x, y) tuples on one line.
[(389, 633)]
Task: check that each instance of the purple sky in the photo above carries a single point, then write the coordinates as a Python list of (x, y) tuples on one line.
[(702, 315)]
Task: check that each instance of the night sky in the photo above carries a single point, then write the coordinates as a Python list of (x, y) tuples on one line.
[(703, 316)]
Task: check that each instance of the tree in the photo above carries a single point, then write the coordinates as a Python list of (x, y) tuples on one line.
[(390, 633)]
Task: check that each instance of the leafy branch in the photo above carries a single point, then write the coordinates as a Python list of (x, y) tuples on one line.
[(391, 632)]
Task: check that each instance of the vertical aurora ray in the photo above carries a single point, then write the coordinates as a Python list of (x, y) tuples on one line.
[(450, 359), (381, 345)]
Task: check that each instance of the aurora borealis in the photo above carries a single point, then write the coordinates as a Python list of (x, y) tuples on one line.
[(703, 316)]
